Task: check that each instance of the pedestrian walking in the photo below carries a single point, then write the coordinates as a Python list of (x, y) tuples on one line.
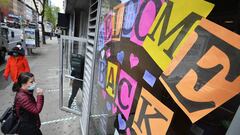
[(19, 45), (27, 108), (77, 63), (16, 64), (58, 33)]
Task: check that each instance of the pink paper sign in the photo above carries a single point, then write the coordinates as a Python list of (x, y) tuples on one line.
[(133, 60), (147, 11), (125, 93), (108, 27)]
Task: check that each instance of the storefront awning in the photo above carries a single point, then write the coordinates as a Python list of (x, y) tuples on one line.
[(76, 4)]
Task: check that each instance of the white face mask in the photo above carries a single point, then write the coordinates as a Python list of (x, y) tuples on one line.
[(32, 87), (19, 46)]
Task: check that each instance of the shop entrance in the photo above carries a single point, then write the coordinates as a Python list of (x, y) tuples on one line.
[(72, 61)]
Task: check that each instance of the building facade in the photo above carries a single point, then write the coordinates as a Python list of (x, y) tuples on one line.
[(4, 10), (22, 9), (155, 67)]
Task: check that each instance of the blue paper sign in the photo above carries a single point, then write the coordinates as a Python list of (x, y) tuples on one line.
[(130, 14), (149, 78)]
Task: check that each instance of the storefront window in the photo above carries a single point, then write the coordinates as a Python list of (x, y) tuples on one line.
[(165, 68)]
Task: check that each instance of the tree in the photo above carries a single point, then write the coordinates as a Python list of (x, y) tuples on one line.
[(56, 10), (43, 3), (4, 3), (51, 14)]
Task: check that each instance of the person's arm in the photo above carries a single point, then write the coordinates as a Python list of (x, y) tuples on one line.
[(7, 69), (30, 106), (26, 65)]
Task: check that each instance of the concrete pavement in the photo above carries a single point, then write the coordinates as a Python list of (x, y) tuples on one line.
[(44, 65)]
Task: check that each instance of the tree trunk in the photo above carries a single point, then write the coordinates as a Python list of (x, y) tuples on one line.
[(43, 33)]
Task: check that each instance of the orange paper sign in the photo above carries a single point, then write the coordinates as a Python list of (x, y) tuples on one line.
[(117, 20), (151, 117), (206, 72)]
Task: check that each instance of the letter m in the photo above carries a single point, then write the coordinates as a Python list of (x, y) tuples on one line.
[(171, 27)]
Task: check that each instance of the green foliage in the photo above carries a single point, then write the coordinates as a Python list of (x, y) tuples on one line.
[(50, 14), (4, 3)]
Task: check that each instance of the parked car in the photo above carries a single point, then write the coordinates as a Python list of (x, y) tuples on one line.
[(3, 43)]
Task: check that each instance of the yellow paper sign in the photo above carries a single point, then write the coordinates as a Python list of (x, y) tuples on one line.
[(174, 22), (112, 72)]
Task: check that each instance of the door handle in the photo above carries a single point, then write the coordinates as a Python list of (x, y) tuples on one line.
[(72, 77)]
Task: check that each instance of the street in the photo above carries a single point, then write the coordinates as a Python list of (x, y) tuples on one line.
[(44, 64)]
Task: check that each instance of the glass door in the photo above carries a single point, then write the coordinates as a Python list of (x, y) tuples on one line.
[(72, 61)]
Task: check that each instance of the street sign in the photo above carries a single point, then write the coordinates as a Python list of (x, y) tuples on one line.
[(30, 38)]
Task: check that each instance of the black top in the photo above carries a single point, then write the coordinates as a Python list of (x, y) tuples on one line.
[(77, 63)]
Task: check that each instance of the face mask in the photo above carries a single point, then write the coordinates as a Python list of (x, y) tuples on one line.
[(15, 54), (32, 87), (19, 46)]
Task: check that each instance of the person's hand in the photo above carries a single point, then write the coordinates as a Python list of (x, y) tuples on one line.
[(5, 77), (39, 91)]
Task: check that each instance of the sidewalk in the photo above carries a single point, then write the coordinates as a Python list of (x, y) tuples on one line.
[(45, 64)]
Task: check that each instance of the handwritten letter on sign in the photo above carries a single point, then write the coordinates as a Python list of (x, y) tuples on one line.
[(151, 117), (125, 93), (112, 72), (147, 12), (130, 14), (172, 26), (102, 73), (108, 27), (206, 72), (117, 20)]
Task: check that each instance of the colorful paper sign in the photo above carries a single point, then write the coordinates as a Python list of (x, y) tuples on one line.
[(125, 93), (101, 37), (149, 78), (151, 117), (102, 73), (117, 20), (109, 106), (133, 60), (171, 28), (147, 12), (128, 132), (112, 72), (121, 122), (108, 27), (120, 56), (206, 72), (130, 14), (108, 53)]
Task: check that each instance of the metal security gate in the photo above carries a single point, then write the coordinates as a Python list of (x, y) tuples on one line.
[(94, 10)]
